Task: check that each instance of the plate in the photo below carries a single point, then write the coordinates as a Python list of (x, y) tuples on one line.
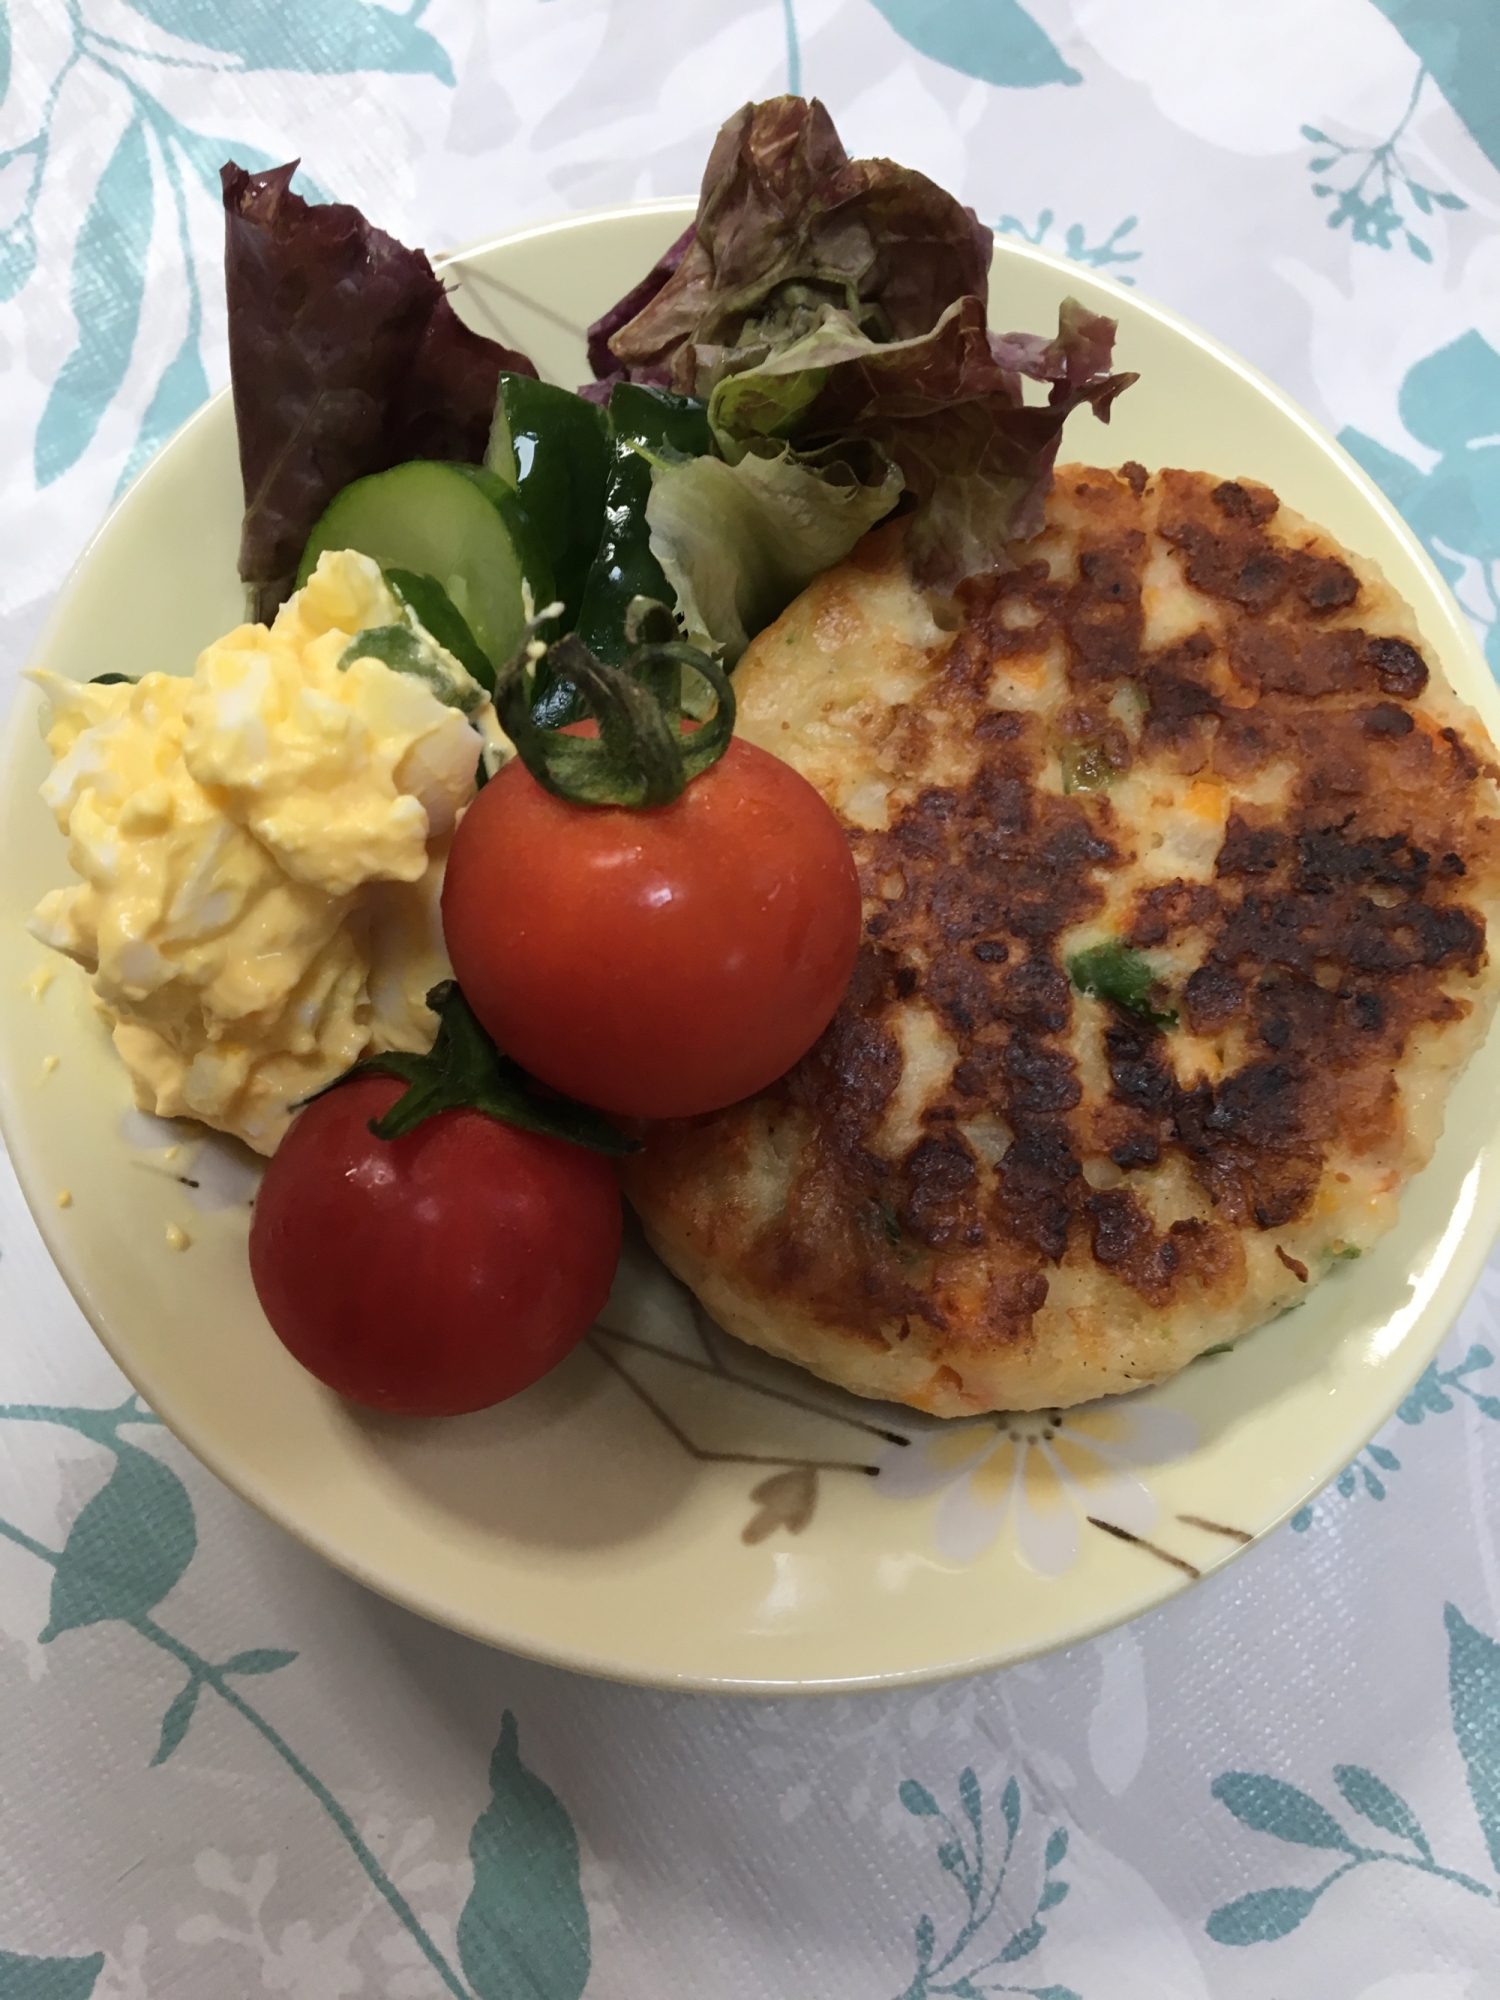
[(668, 1507)]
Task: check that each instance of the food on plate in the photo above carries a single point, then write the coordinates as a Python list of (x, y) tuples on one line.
[(457, 524), (831, 313), (261, 846), (1060, 970), (345, 358), (1178, 858), (658, 962), (646, 430), (814, 349), (552, 449), (425, 1242)]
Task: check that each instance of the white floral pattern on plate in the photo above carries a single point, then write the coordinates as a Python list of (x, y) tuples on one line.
[(1045, 1470)]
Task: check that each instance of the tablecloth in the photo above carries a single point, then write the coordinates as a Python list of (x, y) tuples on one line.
[(231, 1771)]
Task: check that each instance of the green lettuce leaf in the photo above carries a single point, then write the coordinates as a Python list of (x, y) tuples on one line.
[(945, 406), (738, 541)]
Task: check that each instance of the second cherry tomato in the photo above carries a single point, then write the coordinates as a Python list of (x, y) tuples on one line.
[(661, 962), (435, 1273)]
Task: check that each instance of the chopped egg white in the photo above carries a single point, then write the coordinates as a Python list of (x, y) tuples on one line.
[(260, 850)]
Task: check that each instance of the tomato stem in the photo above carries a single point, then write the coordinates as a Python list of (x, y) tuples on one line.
[(465, 1071), (640, 757)]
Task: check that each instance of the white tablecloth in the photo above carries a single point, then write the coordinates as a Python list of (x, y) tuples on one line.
[(232, 1771)]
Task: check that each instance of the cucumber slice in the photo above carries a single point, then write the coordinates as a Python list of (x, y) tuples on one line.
[(553, 448), (457, 523)]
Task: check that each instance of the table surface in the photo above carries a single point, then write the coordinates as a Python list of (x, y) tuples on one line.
[(226, 1770)]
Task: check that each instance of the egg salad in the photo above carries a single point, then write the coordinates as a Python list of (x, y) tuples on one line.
[(260, 850)]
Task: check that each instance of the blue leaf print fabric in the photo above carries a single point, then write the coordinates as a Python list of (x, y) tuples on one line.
[(1262, 1916), (1375, 1801), (1449, 402), (128, 1548), (1271, 1806), (1459, 42), (994, 40), (524, 1932), (109, 283), (23, 1978), (1474, 1693), (988, 1935), (183, 386), (142, 184), (335, 36), (177, 1720)]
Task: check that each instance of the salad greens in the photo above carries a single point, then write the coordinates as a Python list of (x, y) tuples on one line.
[(553, 450), (428, 605), (432, 642), (345, 357), (788, 226), (810, 355), (410, 649), (607, 370), (826, 302), (737, 542), (458, 523), (646, 425)]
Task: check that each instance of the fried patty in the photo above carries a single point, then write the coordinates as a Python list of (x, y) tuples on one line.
[(1178, 860)]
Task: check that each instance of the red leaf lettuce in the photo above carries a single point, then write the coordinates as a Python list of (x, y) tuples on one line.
[(345, 357), (821, 301)]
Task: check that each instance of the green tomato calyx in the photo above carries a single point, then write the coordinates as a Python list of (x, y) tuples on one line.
[(464, 1070), (640, 757)]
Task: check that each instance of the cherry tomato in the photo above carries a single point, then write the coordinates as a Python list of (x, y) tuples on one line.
[(655, 963), (436, 1273)]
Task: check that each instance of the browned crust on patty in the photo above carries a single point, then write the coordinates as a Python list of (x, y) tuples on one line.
[(1066, 1149)]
